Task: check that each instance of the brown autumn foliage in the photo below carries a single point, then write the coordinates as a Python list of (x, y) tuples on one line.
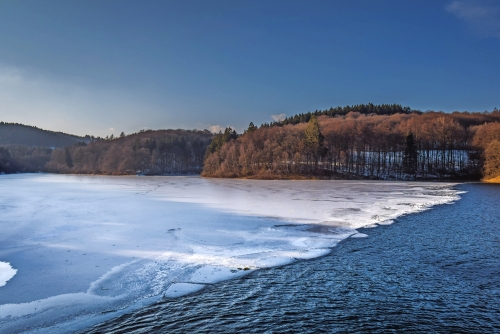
[(487, 137), (148, 152), (354, 144), (492, 160), (363, 146)]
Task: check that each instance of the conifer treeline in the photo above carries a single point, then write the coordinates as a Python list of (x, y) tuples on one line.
[(398, 145), (364, 109)]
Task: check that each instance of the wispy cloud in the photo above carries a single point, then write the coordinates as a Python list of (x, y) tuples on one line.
[(482, 15), (216, 128), (279, 117)]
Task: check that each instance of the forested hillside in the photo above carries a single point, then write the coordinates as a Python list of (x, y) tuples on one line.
[(362, 141), (147, 152), (19, 134), (383, 145)]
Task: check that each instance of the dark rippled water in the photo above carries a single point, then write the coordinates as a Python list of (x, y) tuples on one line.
[(437, 271)]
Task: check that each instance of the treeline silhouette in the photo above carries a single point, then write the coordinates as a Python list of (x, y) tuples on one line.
[(384, 144), (364, 109), (20, 134)]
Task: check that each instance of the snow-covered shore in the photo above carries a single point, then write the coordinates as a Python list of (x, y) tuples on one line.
[(89, 247)]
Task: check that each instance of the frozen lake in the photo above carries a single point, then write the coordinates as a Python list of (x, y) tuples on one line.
[(78, 250), (432, 272)]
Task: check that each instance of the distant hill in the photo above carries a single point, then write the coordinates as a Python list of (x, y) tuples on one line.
[(159, 152), (20, 134)]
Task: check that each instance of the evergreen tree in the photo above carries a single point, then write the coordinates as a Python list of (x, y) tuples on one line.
[(151, 145), (137, 145), (410, 156), (67, 156), (219, 140), (251, 128), (314, 140)]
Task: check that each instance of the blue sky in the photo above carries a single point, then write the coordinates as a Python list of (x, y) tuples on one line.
[(102, 67)]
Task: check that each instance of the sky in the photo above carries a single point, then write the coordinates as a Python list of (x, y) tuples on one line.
[(100, 67)]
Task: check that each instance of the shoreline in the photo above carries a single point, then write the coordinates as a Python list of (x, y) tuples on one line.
[(284, 178), (493, 180)]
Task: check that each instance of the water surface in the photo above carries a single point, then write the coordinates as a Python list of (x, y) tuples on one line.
[(435, 271)]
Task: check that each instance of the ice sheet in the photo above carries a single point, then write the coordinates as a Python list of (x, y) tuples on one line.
[(181, 289), (88, 246)]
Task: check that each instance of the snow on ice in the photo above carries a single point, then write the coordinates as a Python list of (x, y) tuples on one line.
[(88, 248), (6, 272)]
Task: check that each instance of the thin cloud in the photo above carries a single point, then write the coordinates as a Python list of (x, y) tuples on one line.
[(279, 117), (482, 16), (216, 128)]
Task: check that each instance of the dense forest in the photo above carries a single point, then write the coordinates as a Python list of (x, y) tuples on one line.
[(385, 141), (364, 109), (162, 152), (22, 158), (391, 143), (148, 152)]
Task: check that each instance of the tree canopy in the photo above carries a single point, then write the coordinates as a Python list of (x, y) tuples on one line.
[(407, 145)]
